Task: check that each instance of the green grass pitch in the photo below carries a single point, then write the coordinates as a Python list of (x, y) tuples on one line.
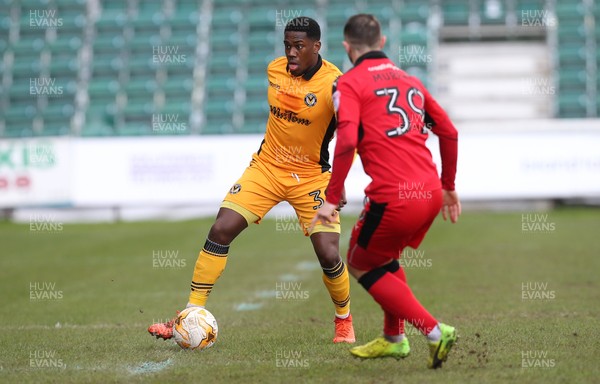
[(76, 301)]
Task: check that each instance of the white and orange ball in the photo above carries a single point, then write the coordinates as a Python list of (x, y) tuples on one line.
[(195, 328)]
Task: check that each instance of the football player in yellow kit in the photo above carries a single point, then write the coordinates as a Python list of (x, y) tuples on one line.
[(291, 164)]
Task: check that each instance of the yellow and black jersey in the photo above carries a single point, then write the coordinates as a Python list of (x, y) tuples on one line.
[(301, 120)]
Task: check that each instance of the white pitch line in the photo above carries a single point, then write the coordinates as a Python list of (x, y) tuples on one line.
[(31, 327), (150, 367)]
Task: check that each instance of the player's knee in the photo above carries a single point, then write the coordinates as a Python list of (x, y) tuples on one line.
[(222, 232), (326, 249), (328, 255), (329, 259)]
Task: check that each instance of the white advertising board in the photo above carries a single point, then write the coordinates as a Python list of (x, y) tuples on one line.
[(35, 172), (559, 160)]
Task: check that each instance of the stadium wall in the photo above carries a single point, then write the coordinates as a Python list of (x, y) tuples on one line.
[(507, 160)]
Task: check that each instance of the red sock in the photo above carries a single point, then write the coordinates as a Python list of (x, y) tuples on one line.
[(392, 325), (396, 298)]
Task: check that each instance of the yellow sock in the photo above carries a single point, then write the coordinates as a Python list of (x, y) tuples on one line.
[(209, 266), (337, 281)]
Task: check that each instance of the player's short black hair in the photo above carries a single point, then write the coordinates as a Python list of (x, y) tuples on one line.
[(304, 24), (362, 29)]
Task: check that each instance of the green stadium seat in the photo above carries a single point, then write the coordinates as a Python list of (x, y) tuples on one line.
[(455, 12), (411, 12), (571, 33), (63, 65), (258, 63), (139, 104), (254, 125), (339, 12), (219, 84), (186, 5), (179, 108), (263, 40), (572, 79), (572, 104), (66, 43), (218, 107), (184, 19), (108, 66), (28, 46), (256, 107), (179, 82), (185, 41), (111, 20), (26, 67), (5, 23), (76, 4), (55, 128), (414, 34), (492, 12), (228, 17), (141, 87), (109, 43), (18, 121), (132, 129), (224, 41), (144, 46), (151, 6), (257, 84), (258, 15), (216, 127), (529, 5), (572, 54), (223, 63), (142, 64), (565, 11)]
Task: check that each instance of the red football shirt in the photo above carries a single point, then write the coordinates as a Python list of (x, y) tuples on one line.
[(385, 115)]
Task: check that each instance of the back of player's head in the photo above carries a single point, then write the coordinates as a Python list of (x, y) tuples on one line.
[(304, 24), (362, 30)]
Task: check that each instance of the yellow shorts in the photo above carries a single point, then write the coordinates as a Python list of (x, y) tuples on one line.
[(262, 187)]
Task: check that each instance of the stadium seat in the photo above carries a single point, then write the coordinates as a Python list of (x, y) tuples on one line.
[(414, 34), (224, 63), (572, 54), (254, 125), (455, 12), (18, 121), (569, 33), (572, 79), (566, 10), (492, 12), (572, 104), (412, 12)]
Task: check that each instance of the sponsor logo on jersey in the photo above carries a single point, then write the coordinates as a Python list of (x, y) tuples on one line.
[(290, 116)]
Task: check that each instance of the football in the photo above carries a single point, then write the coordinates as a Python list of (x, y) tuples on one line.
[(195, 328)]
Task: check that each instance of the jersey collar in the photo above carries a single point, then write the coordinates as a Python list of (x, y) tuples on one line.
[(311, 71), (370, 55)]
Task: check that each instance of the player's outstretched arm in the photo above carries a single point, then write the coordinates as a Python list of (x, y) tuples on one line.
[(450, 205)]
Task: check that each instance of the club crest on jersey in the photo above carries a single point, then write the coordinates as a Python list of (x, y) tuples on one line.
[(235, 189), (310, 99)]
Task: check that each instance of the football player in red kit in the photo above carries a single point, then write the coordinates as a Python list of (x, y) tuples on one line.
[(385, 115)]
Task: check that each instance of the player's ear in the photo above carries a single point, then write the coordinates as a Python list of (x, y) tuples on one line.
[(317, 46), (382, 42), (346, 46)]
